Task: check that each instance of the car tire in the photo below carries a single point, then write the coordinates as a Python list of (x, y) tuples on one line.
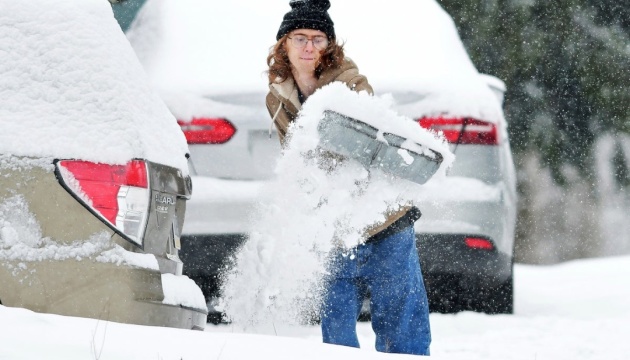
[(500, 300), (445, 294)]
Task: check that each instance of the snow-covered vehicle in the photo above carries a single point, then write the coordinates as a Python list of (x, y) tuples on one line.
[(466, 234), (93, 173)]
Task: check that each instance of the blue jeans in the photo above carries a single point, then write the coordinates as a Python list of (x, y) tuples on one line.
[(389, 271)]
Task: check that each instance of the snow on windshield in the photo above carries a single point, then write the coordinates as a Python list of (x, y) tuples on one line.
[(309, 208), (417, 54), (72, 87)]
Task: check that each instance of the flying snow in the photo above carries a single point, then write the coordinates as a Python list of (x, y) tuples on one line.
[(316, 203)]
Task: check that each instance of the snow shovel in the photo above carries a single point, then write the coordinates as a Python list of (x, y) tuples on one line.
[(357, 140)]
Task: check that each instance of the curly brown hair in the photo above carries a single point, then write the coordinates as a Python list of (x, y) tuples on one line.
[(280, 66)]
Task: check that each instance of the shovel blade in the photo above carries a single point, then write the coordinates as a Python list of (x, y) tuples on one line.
[(357, 140)]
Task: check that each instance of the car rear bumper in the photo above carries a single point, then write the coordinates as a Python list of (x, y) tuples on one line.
[(446, 256), (206, 256), (99, 290)]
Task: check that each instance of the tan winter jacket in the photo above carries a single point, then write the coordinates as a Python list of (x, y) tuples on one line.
[(286, 93), (283, 105)]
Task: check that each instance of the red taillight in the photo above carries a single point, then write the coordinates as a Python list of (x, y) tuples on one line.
[(207, 131), (134, 173), (475, 132), (118, 193), (479, 243)]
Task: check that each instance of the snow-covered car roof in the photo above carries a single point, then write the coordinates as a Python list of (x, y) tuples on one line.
[(71, 86), (405, 47)]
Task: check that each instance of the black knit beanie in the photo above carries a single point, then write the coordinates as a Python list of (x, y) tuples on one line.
[(307, 14)]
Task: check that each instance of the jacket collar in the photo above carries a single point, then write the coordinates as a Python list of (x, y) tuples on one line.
[(287, 90)]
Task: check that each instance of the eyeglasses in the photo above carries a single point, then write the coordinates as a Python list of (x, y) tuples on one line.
[(300, 41)]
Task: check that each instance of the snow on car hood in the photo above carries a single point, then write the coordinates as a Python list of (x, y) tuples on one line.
[(72, 87), (416, 53)]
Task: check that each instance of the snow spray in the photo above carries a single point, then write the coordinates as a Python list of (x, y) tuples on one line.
[(315, 203)]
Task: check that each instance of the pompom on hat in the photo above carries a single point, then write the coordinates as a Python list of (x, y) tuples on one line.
[(307, 14)]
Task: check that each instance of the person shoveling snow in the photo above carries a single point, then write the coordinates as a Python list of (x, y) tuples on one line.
[(336, 226)]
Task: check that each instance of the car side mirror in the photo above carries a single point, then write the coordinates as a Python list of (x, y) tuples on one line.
[(125, 11)]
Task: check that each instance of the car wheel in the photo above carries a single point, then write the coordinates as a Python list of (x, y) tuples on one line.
[(500, 300), (445, 293)]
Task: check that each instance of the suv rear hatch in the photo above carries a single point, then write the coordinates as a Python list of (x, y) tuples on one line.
[(144, 202)]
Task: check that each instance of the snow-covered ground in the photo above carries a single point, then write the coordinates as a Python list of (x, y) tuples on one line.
[(576, 310)]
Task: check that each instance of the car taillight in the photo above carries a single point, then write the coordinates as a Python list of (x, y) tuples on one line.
[(479, 243), (207, 130), (118, 194), (475, 132)]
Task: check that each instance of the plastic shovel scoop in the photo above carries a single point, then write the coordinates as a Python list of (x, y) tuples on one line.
[(392, 153)]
